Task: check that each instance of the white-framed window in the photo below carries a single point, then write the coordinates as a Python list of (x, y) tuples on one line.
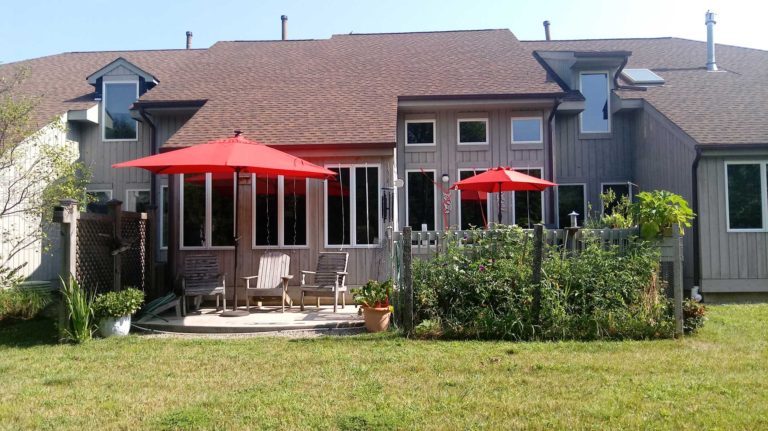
[(99, 199), (207, 210), (164, 228), (421, 198), (571, 197), (527, 130), (137, 200), (528, 206), (420, 132), (117, 123), (352, 214), (472, 131), (279, 208), (474, 207), (746, 196), (596, 117), (620, 190)]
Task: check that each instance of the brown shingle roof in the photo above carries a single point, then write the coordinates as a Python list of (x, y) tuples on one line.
[(60, 80), (344, 89), (727, 107)]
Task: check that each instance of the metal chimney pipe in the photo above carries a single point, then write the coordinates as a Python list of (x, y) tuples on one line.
[(189, 40), (710, 22), (284, 19), (546, 30)]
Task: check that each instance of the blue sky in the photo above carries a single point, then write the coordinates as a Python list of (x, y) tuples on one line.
[(34, 28)]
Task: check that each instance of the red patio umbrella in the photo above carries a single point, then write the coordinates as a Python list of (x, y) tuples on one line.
[(502, 179), (233, 155)]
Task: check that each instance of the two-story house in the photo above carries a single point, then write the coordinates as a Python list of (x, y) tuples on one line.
[(403, 116)]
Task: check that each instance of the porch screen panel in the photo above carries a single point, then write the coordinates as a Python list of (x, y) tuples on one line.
[(367, 205), (528, 204), (193, 213), (570, 198), (295, 213), (474, 205), (421, 200), (265, 220), (745, 204), (338, 207), (222, 209)]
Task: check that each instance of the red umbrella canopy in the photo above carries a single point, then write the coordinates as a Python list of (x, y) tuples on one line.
[(228, 156), (502, 179)]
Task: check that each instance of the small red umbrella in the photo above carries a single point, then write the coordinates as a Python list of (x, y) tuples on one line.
[(502, 179), (232, 155)]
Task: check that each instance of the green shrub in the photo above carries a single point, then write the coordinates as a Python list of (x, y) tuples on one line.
[(117, 304), (658, 210), (79, 308), (22, 304), (373, 294), (694, 316), (484, 290)]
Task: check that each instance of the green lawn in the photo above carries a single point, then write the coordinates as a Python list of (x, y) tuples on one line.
[(717, 379)]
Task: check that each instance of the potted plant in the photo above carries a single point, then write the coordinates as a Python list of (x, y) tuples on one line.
[(658, 210), (373, 299), (113, 310)]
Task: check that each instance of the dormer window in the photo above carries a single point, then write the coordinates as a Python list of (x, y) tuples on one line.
[(596, 117), (118, 125)]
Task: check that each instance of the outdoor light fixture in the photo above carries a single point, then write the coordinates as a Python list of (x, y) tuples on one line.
[(445, 178), (574, 219), (399, 183)]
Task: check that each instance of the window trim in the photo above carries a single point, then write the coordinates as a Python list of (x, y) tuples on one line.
[(557, 200), (466, 120), (128, 192), (208, 214), (434, 133), (763, 192), (104, 109), (512, 130), (407, 194), (614, 183), (488, 216), (108, 191), (607, 74), (352, 204), (514, 194), (280, 216), (161, 208)]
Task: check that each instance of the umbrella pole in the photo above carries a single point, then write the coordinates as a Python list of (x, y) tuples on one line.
[(499, 203), (235, 312)]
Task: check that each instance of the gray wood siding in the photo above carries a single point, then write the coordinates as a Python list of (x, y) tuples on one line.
[(663, 158), (447, 157), (730, 261), (590, 160), (364, 263)]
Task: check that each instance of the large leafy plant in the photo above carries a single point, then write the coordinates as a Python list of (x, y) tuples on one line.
[(118, 304), (373, 294), (658, 210)]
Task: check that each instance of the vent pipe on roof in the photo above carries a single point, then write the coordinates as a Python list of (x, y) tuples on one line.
[(710, 22), (546, 30), (284, 19), (189, 40)]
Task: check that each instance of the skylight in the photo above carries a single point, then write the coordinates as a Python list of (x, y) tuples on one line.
[(642, 77)]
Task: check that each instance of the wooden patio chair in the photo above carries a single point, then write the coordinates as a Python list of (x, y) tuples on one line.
[(201, 277), (272, 280), (328, 280)]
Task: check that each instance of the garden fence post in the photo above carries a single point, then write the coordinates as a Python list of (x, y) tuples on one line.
[(538, 252), (116, 212), (678, 280), (67, 216), (407, 282)]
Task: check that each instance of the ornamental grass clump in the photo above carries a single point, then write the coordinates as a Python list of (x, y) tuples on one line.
[(22, 304), (78, 303), (483, 289)]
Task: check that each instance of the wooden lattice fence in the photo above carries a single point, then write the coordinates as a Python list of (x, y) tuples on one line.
[(94, 260)]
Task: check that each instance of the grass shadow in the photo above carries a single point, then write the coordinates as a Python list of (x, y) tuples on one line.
[(29, 333)]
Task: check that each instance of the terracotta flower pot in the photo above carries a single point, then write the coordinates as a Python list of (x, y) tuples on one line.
[(376, 319)]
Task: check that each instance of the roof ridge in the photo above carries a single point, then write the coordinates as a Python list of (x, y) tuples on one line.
[(420, 32), (131, 50), (600, 39)]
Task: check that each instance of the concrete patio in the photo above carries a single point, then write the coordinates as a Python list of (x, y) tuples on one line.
[(266, 319)]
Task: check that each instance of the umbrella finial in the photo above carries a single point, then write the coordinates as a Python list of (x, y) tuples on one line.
[(238, 133)]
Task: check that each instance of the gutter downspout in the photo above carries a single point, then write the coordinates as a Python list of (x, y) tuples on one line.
[(695, 205), (551, 151), (153, 202), (152, 152)]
